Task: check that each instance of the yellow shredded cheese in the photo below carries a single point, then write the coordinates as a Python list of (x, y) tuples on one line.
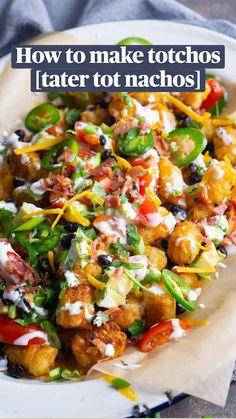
[(149, 192), (51, 260), (188, 269), (44, 145), (50, 211), (73, 216), (221, 122), (194, 322), (122, 163), (88, 194), (184, 108), (128, 392), (207, 158), (95, 282)]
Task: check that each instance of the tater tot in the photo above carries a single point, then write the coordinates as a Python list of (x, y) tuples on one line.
[(76, 308), (91, 346), (36, 359), (159, 307), (184, 243), (225, 143), (193, 99), (96, 116), (219, 180), (200, 211), (6, 185), (161, 231), (125, 316), (156, 257), (171, 181), (27, 166), (191, 279)]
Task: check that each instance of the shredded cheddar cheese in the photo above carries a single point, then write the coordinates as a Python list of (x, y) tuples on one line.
[(206, 157), (221, 122), (194, 322), (188, 269), (50, 211), (44, 145), (72, 215), (51, 260), (128, 392), (188, 111), (153, 196), (88, 194), (95, 282)]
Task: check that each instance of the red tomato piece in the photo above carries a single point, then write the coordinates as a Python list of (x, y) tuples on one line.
[(144, 182), (52, 130), (216, 91), (11, 332), (139, 162), (147, 207), (159, 334)]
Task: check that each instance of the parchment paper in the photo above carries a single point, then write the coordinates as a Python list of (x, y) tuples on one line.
[(201, 363)]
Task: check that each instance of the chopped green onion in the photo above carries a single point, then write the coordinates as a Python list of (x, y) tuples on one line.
[(30, 224), (120, 383)]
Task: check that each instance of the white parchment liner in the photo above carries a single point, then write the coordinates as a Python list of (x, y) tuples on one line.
[(201, 363)]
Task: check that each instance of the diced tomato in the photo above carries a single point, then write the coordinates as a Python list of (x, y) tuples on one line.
[(159, 334), (139, 162), (58, 204), (11, 332), (147, 207), (52, 130), (216, 91), (144, 182), (91, 139)]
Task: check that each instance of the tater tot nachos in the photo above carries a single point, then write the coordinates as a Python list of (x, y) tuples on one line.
[(115, 209)]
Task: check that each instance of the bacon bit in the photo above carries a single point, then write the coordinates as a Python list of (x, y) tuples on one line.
[(220, 209), (60, 187), (85, 152), (117, 181), (20, 271), (144, 128), (112, 201), (203, 196), (161, 146)]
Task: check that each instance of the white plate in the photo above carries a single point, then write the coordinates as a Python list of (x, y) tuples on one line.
[(94, 398)]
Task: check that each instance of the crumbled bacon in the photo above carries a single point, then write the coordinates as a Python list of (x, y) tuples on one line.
[(18, 272), (59, 187), (112, 201), (161, 146)]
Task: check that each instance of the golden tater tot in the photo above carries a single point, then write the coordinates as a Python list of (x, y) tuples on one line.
[(125, 316), (219, 180), (161, 231), (36, 359), (6, 185), (91, 346), (171, 181), (27, 166), (225, 143), (75, 307), (159, 307), (184, 243), (156, 257), (200, 211)]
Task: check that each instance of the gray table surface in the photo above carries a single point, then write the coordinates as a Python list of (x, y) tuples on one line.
[(193, 407)]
